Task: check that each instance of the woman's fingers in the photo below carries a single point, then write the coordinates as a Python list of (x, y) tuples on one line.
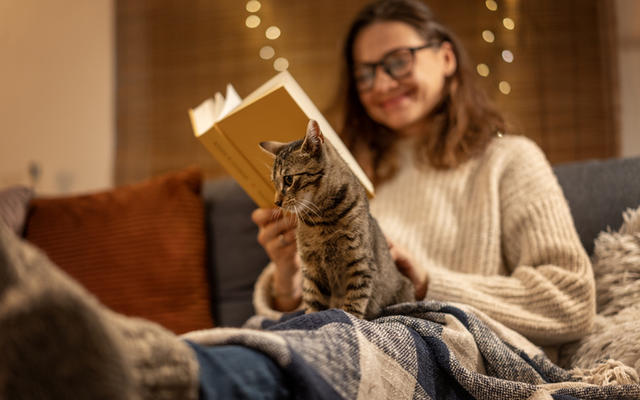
[(262, 216), (272, 230)]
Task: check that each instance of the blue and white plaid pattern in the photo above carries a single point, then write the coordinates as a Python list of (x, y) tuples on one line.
[(422, 350)]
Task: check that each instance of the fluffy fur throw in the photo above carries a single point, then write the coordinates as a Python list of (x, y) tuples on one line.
[(616, 334)]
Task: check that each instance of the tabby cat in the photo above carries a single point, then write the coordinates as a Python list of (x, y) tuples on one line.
[(345, 258)]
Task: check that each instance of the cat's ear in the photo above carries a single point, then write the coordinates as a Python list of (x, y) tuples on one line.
[(313, 139), (271, 148)]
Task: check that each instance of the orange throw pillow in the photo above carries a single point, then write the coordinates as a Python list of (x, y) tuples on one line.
[(139, 248)]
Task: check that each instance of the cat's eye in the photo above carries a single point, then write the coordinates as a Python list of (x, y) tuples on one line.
[(288, 180)]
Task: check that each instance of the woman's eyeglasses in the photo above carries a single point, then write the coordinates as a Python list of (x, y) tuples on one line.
[(397, 63)]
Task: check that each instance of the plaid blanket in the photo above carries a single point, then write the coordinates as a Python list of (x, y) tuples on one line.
[(422, 350)]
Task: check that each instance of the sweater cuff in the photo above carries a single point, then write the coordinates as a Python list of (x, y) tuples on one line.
[(262, 300), (441, 288)]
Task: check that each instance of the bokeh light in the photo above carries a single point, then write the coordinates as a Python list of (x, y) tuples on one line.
[(508, 23), (252, 21), (483, 70), (504, 87), (253, 6), (280, 64), (488, 36), (272, 32), (267, 52)]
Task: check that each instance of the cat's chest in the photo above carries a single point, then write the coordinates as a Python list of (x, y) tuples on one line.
[(329, 251)]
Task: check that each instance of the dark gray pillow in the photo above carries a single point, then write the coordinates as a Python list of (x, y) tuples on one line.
[(234, 259), (14, 203), (598, 192)]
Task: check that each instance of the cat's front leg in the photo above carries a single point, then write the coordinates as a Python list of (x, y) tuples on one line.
[(359, 287), (315, 293)]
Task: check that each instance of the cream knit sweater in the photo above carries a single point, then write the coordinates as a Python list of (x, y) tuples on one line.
[(495, 233)]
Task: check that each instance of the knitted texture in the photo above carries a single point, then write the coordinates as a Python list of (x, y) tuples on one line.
[(58, 342), (495, 233)]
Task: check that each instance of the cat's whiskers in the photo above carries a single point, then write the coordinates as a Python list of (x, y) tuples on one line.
[(296, 212), (311, 208), (301, 210), (276, 215)]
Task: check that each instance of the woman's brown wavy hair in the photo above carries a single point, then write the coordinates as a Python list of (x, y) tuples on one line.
[(460, 126)]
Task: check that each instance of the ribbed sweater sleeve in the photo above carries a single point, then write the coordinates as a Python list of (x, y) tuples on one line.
[(548, 293)]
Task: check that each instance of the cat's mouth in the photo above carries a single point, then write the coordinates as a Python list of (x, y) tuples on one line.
[(303, 208)]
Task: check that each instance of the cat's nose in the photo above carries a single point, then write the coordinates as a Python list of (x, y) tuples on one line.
[(278, 202)]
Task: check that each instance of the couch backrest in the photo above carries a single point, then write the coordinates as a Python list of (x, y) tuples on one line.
[(234, 257), (597, 191)]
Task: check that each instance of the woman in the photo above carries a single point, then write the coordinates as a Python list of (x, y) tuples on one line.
[(475, 217)]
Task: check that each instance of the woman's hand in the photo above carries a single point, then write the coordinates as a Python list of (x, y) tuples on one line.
[(418, 276), (277, 236)]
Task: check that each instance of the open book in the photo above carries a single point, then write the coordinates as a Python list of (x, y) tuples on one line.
[(279, 110)]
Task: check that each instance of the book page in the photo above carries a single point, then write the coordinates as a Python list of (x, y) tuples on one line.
[(231, 101), (203, 116), (310, 109)]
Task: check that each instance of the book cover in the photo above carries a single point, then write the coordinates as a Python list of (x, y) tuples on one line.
[(279, 110)]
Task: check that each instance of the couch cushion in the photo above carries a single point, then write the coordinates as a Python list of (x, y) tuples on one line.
[(235, 258), (598, 192), (138, 248), (13, 206)]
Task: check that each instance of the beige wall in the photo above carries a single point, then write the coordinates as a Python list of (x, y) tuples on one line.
[(57, 93), (628, 15)]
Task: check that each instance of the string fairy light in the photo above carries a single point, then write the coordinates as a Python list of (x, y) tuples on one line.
[(488, 36), (508, 23), (507, 55), (271, 33), (253, 6), (252, 21), (267, 52), (491, 5), (483, 70)]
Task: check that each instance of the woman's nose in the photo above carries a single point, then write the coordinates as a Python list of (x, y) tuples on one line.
[(382, 81)]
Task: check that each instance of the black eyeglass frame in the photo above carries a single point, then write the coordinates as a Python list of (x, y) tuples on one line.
[(383, 63)]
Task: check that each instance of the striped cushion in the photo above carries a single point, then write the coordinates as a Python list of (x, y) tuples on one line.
[(140, 248), (13, 206)]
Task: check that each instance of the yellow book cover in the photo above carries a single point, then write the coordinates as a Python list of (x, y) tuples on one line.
[(279, 110)]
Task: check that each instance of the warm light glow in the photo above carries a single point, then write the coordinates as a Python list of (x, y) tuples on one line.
[(508, 23), (280, 64), (504, 87), (488, 36), (272, 32), (252, 21), (507, 56), (491, 5), (253, 6), (267, 52), (483, 70)]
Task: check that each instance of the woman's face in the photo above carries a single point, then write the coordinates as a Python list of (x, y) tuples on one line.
[(402, 104)]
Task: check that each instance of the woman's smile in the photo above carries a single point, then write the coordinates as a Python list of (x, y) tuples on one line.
[(396, 101)]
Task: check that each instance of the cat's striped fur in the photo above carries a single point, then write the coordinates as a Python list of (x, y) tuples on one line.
[(345, 258)]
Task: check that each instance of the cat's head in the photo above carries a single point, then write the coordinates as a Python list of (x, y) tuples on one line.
[(299, 169)]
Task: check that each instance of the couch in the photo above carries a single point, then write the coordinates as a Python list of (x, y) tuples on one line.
[(192, 256)]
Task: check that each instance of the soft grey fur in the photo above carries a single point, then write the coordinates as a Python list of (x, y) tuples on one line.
[(345, 257), (616, 332), (59, 342)]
